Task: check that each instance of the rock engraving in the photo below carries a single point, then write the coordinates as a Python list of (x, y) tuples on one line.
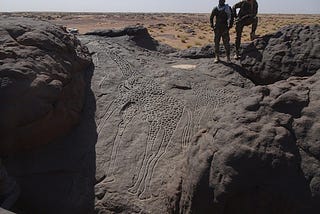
[(141, 94)]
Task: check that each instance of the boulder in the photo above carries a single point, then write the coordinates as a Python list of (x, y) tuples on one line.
[(41, 81), (47, 129), (260, 155), (292, 51)]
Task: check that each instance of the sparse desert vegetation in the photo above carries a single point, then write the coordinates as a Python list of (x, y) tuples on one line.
[(180, 30)]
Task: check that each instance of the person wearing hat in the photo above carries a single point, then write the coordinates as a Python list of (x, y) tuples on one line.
[(223, 22), (246, 16)]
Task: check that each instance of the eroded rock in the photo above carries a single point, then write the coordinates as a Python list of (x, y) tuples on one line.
[(292, 51), (41, 80), (259, 155), (47, 129)]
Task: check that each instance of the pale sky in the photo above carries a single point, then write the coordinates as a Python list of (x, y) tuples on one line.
[(186, 6)]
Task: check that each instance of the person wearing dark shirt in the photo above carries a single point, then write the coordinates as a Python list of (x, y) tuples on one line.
[(246, 16), (223, 22)]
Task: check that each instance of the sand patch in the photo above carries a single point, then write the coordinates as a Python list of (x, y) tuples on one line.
[(185, 66)]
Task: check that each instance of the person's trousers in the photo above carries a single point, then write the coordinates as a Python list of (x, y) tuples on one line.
[(239, 28), (224, 34)]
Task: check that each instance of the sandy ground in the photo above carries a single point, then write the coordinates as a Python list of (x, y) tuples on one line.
[(178, 30)]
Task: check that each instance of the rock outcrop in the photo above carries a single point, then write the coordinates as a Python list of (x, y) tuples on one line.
[(47, 128), (204, 139), (292, 51), (41, 81), (206, 51), (138, 35), (163, 133), (196, 53), (148, 109), (259, 155)]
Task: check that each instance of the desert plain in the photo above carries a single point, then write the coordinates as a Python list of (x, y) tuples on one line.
[(179, 30)]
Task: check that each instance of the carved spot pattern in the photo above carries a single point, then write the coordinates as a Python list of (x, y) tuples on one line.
[(5, 82), (139, 95)]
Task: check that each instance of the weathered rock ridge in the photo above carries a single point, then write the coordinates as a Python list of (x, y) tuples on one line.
[(138, 35), (292, 51)]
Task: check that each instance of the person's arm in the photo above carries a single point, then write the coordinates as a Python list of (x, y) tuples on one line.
[(213, 14), (235, 7)]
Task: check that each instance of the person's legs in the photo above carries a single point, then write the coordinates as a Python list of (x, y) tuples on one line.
[(239, 29), (226, 43), (254, 28), (217, 37)]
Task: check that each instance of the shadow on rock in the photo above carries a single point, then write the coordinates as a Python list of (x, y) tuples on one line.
[(138, 35), (60, 177), (238, 68)]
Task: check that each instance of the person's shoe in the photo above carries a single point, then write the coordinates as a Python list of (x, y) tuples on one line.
[(216, 60)]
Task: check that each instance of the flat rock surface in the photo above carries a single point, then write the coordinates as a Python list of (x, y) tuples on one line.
[(149, 106)]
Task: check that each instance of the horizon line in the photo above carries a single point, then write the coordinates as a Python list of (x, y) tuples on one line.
[(150, 12)]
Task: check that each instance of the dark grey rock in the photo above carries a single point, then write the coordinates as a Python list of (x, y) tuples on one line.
[(130, 31), (259, 155), (292, 51), (147, 113), (9, 190), (166, 134), (47, 128), (206, 51), (201, 140), (139, 36), (41, 81), (195, 52)]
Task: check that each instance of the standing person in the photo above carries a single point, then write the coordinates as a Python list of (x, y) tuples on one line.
[(223, 22), (247, 16)]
